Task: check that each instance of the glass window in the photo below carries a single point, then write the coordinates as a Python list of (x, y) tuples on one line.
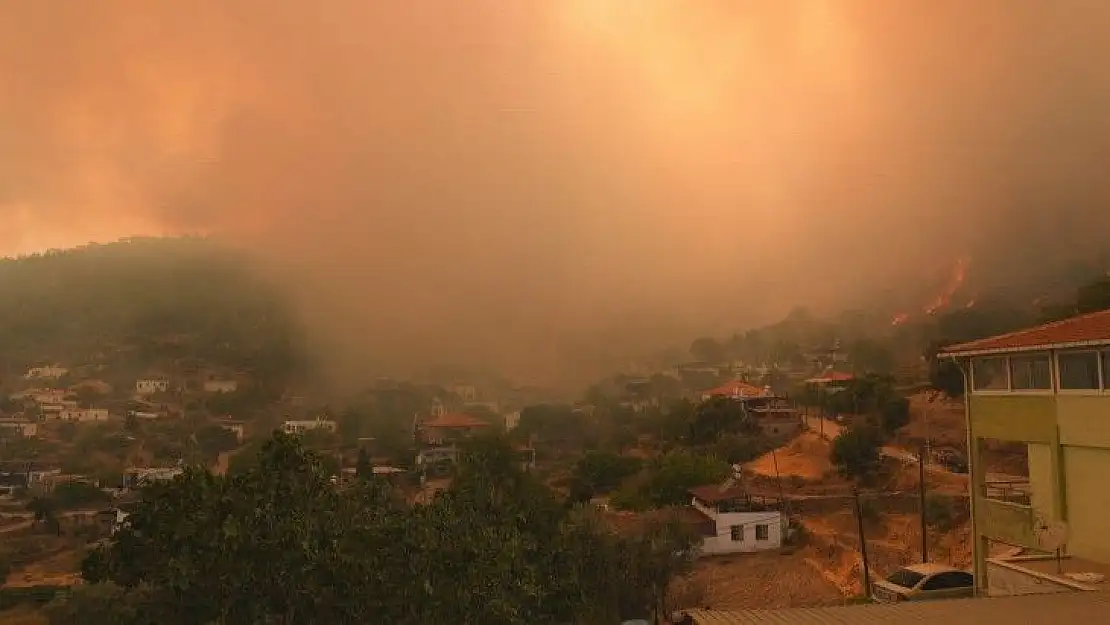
[(905, 578), (1106, 370), (1031, 372), (762, 533), (1078, 370), (737, 533), (989, 374)]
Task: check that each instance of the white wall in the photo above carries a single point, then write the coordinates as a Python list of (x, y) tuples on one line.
[(722, 543)]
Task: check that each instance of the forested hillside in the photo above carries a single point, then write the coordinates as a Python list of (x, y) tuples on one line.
[(142, 304)]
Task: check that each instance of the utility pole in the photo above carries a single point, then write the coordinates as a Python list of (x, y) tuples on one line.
[(862, 544), (921, 493)]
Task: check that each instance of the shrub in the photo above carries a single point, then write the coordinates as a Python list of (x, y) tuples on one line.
[(894, 413), (855, 453), (940, 511)]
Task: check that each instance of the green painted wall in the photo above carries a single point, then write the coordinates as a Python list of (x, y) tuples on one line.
[(1084, 420), (1041, 481), (1014, 417), (1088, 495)]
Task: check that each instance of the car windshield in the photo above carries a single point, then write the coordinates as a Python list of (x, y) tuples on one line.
[(905, 578)]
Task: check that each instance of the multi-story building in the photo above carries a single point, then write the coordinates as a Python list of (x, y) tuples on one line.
[(1046, 388)]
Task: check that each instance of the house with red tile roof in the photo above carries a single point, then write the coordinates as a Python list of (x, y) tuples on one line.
[(736, 389), (451, 427), (1046, 388)]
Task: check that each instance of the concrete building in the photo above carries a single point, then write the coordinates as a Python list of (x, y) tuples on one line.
[(300, 427), (50, 372), (1046, 388), (736, 522), (150, 386), (22, 426), (83, 415)]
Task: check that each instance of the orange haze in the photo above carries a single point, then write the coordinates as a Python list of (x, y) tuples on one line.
[(549, 187)]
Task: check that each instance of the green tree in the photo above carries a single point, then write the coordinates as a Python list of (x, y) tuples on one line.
[(894, 413), (599, 472), (278, 543), (856, 452), (718, 416), (44, 510), (364, 470), (669, 479)]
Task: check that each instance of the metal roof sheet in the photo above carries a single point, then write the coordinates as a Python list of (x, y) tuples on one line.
[(1049, 609)]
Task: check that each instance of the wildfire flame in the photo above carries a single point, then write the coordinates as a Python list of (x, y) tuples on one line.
[(959, 274)]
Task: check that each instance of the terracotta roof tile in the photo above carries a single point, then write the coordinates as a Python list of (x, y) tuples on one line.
[(832, 376), (736, 388), (1090, 328)]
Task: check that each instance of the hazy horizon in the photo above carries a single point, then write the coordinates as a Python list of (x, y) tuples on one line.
[(548, 189)]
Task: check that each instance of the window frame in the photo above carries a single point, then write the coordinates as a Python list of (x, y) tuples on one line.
[(766, 531), (1005, 370), (737, 533), (1104, 368), (1099, 382), (1052, 373)]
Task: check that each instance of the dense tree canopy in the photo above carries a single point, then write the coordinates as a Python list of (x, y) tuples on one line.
[(278, 543), (143, 302)]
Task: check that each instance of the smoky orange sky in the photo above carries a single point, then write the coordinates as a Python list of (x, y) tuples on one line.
[(549, 187)]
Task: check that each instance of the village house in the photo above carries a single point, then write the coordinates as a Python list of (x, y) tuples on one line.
[(55, 410), (830, 381), (300, 427), (82, 415), (451, 427), (512, 419), (150, 386), (50, 372), (235, 427), (736, 389), (465, 392), (736, 522), (137, 477), (41, 395), (23, 427)]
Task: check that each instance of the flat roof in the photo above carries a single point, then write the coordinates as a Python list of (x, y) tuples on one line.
[(1047, 609), (1089, 330)]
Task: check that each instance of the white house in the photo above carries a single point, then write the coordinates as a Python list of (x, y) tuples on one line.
[(41, 395), (50, 372), (139, 477), (150, 386), (735, 522), (235, 427), (512, 420), (220, 386), (83, 415), (22, 426), (299, 427)]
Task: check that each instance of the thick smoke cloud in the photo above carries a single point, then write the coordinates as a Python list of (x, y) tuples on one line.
[(549, 187)]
